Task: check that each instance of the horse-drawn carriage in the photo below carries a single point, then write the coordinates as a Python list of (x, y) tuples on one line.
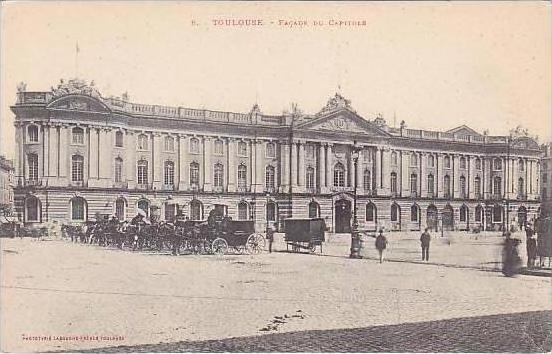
[(238, 235), (304, 234)]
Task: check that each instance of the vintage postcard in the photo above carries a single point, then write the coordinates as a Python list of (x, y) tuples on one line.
[(275, 176)]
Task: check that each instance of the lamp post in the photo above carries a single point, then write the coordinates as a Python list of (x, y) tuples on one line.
[(506, 193), (355, 237)]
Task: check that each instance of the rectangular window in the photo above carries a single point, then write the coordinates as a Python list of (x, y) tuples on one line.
[(142, 173), (219, 147), (242, 148), (33, 167), (118, 170), (119, 139), (169, 143), (78, 136), (32, 132), (77, 169)]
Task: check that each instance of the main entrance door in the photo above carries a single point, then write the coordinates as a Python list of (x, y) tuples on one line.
[(342, 216)]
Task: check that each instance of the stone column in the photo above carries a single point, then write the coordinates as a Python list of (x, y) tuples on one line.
[(207, 166), (284, 167), (329, 167), (376, 169), (405, 174), (301, 167), (471, 178), (130, 161), (386, 172), (439, 180), (259, 167), (294, 176), (423, 176), (455, 178), (322, 168), (184, 174), (64, 157), (232, 168), (45, 152)]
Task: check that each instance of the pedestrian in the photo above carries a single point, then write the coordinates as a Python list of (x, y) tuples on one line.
[(529, 232), (270, 236), (531, 251), (381, 244), (425, 239)]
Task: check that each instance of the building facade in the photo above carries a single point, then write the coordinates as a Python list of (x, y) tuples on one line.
[(6, 186), (79, 154), (546, 179)]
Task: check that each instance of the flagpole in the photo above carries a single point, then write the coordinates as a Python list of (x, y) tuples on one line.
[(77, 60)]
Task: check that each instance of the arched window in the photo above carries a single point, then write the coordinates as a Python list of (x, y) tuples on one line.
[(77, 168), (32, 209), (194, 145), (310, 178), (32, 134), (169, 143), (269, 178), (463, 213), (120, 205), (430, 161), (196, 210), (413, 159), (497, 164), (219, 147), (497, 186), (393, 183), (463, 162), (218, 175), (243, 211), (142, 142), (371, 212), (118, 169), (169, 173), (242, 148), (521, 187), (395, 212), (430, 184), (144, 205), (367, 180), (462, 187), (413, 183), (314, 210), (477, 187), (447, 161), (270, 150), (194, 174), (521, 165), (78, 209), (478, 163), (414, 213), (446, 186), (78, 136), (478, 213), (32, 160), (142, 172), (339, 175), (394, 158), (271, 211), (242, 176), (118, 139)]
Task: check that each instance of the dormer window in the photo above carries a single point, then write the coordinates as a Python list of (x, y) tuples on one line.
[(78, 136), (32, 134)]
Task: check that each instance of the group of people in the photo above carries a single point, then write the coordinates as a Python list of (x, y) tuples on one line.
[(425, 239)]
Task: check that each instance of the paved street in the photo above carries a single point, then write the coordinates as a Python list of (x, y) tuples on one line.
[(62, 296)]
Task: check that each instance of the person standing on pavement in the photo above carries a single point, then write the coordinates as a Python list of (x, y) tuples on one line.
[(531, 251), (381, 244), (425, 239), (270, 236)]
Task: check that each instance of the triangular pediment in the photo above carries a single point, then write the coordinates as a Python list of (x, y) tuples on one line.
[(79, 103), (343, 121), (463, 130)]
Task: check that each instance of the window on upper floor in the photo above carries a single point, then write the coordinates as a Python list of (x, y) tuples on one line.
[(463, 162), (78, 136), (367, 154), (218, 175), (367, 180), (118, 169), (77, 168), (269, 178), (430, 184), (32, 163), (32, 134), (394, 158), (194, 174), (339, 175), (393, 183), (270, 150), (119, 139), (521, 165), (169, 143), (142, 172), (310, 179), (497, 164), (194, 146), (497, 186), (413, 159), (219, 147), (169, 173), (242, 176), (446, 161), (478, 163), (413, 183), (431, 161), (446, 186), (462, 187), (310, 151), (142, 142), (242, 148)]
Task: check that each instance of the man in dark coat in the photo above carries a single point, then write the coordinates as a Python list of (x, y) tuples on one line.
[(425, 239), (381, 244)]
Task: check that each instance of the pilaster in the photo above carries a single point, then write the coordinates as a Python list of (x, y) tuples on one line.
[(207, 165), (232, 167)]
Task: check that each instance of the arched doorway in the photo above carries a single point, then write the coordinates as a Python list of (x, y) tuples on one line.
[(522, 216), (314, 210), (342, 216), (448, 218), (432, 221)]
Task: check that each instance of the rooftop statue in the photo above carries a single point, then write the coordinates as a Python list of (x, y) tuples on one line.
[(335, 103), (75, 86)]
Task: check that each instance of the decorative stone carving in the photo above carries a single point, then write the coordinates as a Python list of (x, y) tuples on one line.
[(75, 86), (335, 103)]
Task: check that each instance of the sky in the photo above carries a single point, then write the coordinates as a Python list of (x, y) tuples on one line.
[(434, 65)]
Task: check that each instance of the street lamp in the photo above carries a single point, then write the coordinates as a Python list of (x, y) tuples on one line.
[(355, 237), (506, 227)]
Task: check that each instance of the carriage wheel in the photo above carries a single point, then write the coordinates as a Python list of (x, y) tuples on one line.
[(255, 244), (219, 246)]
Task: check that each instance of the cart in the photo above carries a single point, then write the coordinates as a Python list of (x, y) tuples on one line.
[(238, 235), (304, 234)]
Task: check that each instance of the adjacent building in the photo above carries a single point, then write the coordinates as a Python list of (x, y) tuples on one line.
[(79, 153), (6, 186), (546, 179)]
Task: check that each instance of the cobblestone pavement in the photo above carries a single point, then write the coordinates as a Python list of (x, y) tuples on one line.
[(527, 332), (56, 288)]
